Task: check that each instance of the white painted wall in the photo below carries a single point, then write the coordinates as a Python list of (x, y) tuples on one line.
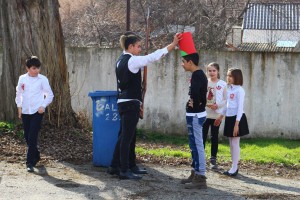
[(269, 36), (271, 82)]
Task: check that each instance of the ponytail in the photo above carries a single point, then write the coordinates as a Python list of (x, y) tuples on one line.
[(127, 39), (122, 41)]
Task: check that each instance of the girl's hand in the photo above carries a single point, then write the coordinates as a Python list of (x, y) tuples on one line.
[(218, 121), (235, 130), (214, 107), (41, 110), (20, 113)]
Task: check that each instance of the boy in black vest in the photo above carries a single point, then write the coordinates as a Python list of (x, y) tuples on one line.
[(129, 83)]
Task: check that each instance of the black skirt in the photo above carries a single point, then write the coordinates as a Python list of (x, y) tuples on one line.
[(229, 126)]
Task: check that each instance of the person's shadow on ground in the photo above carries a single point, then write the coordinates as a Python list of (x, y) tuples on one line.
[(154, 185), (68, 184), (284, 188)]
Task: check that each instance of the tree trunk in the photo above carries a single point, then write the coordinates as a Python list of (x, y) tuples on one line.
[(33, 27)]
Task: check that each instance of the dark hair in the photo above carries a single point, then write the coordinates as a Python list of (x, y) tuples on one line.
[(33, 61), (216, 66), (194, 57), (237, 76), (128, 38)]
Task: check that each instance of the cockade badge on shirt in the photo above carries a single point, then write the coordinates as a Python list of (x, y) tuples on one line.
[(231, 96), (219, 87), (23, 86)]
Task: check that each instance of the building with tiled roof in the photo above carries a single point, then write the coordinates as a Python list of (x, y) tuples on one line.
[(271, 27)]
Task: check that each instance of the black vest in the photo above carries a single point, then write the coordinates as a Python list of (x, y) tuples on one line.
[(129, 84)]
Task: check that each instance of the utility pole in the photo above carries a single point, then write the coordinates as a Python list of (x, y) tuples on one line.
[(128, 16)]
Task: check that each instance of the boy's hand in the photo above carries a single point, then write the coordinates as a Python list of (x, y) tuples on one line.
[(41, 110), (191, 103), (177, 37), (20, 113), (141, 112)]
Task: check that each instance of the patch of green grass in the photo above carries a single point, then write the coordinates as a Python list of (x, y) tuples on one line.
[(6, 126), (11, 128), (279, 151), (180, 140), (260, 150), (163, 152)]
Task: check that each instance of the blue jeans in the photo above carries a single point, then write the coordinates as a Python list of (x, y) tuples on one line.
[(194, 125)]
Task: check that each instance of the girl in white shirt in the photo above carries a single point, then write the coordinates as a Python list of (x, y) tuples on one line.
[(216, 100), (235, 121)]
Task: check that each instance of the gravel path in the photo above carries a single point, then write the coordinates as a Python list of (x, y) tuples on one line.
[(66, 181)]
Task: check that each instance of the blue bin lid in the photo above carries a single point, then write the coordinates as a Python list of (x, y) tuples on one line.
[(100, 93)]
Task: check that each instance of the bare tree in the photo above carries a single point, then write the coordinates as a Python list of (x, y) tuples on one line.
[(100, 22), (210, 20), (33, 27), (96, 22)]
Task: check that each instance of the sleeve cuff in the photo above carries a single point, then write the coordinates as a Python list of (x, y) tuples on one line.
[(165, 50)]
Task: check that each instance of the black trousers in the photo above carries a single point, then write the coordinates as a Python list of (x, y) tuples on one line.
[(124, 153), (132, 156), (32, 125), (213, 136)]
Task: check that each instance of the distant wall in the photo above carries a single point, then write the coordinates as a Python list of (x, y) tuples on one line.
[(269, 36), (271, 82)]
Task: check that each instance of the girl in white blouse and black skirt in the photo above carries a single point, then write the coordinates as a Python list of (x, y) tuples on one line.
[(235, 121)]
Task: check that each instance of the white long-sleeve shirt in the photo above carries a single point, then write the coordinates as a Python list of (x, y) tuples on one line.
[(135, 63), (235, 102), (33, 93), (216, 94)]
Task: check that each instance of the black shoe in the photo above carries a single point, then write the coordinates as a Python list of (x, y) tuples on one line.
[(36, 161), (30, 168), (137, 170), (129, 175), (213, 163), (231, 174), (113, 171)]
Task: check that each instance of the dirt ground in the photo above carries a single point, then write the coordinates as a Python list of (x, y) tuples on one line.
[(62, 180), (56, 178)]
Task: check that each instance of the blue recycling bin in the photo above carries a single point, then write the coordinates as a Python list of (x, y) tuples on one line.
[(106, 125)]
